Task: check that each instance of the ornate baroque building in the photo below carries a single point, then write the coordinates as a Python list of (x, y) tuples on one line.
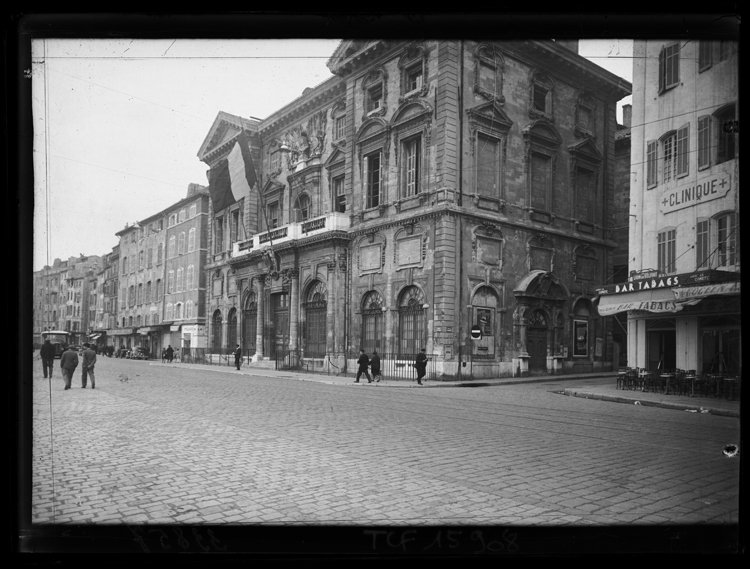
[(426, 189)]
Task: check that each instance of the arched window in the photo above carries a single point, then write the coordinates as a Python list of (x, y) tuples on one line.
[(190, 272), (170, 312), (178, 311), (315, 321), (250, 321), (411, 321), (171, 246), (232, 329), (189, 309), (216, 327), (372, 322), (193, 209)]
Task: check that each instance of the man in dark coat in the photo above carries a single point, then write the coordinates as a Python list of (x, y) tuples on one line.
[(48, 357), (170, 353), (421, 365), (363, 362), (375, 365), (87, 368), (237, 356), (68, 364)]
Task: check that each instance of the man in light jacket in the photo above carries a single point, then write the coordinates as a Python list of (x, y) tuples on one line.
[(89, 359), (68, 364)]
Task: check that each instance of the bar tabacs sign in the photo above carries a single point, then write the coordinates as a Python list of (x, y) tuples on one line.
[(708, 189)]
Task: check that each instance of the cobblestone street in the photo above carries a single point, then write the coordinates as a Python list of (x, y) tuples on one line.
[(161, 445)]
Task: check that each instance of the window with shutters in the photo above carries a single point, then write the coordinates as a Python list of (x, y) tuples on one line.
[(180, 281), (150, 260), (193, 211), (726, 240), (666, 248), (702, 244), (219, 235), (234, 225), (704, 142), (371, 167), (652, 165), (170, 282), (669, 67), (339, 196), (540, 181), (705, 54), (191, 240), (181, 243), (172, 241), (411, 166), (725, 127), (190, 273), (683, 152)]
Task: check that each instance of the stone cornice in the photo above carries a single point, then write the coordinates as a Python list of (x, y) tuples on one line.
[(309, 102)]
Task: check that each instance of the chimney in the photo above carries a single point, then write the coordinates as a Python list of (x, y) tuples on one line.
[(627, 115)]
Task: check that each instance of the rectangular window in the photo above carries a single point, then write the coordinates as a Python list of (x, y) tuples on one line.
[(487, 77), (704, 55), (701, 244), (540, 98), (219, 235), (669, 67), (413, 77), (374, 97), (726, 240), (148, 292), (371, 165), (193, 210), (725, 127), (584, 118), (338, 194), (411, 166), (275, 160), (190, 271), (234, 226), (585, 195), (273, 215), (170, 282), (172, 246), (140, 259), (540, 174), (683, 151), (191, 240), (488, 165), (140, 294), (150, 260), (704, 142), (669, 157), (181, 243), (666, 251), (160, 253), (340, 128), (651, 161)]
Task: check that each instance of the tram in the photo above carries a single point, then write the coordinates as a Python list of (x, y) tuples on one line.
[(60, 339)]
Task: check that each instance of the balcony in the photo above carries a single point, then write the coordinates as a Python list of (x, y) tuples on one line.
[(293, 232)]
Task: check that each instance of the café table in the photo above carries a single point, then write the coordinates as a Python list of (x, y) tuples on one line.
[(730, 387), (622, 378), (717, 379), (692, 379), (666, 378)]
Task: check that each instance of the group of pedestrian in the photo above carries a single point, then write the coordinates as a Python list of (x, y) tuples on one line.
[(374, 364), (167, 354), (69, 363)]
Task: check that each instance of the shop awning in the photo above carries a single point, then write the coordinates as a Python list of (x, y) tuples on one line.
[(94, 336), (694, 294), (657, 300)]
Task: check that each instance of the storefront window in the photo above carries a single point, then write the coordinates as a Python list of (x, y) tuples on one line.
[(581, 342)]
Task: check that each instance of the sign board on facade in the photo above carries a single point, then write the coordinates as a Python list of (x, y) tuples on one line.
[(707, 189), (476, 332)]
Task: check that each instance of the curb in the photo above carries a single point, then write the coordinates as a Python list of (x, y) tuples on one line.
[(646, 403)]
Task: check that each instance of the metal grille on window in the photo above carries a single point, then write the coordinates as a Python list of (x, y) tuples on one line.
[(232, 329), (411, 314), (250, 321), (372, 322)]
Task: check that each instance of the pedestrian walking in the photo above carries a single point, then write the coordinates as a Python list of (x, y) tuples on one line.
[(87, 367), (421, 365), (375, 365), (238, 356), (47, 352), (363, 362), (170, 353), (68, 365), (163, 355)]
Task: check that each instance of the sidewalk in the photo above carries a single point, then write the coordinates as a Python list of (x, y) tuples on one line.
[(608, 392)]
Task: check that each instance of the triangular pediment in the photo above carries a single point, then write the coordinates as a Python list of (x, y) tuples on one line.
[(586, 149), (491, 113), (271, 186), (336, 156), (224, 128)]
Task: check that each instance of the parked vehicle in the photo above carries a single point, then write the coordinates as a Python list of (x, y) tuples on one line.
[(59, 339), (140, 353), (122, 352)]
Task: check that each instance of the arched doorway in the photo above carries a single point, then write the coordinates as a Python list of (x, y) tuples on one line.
[(250, 325), (372, 323), (216, 331), (537, 340), (316, 330), (232, 330)]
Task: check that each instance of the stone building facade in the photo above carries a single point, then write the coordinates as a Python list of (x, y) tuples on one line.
[(683, 294), (427, 189)]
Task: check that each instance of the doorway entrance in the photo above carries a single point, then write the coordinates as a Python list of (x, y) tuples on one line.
[(536, 345), (279, 324), (662, 350)]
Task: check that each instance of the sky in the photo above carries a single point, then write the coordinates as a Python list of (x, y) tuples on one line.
[(118, 123)]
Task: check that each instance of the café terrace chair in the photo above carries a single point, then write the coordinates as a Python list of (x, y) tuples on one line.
[(624, 378)]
